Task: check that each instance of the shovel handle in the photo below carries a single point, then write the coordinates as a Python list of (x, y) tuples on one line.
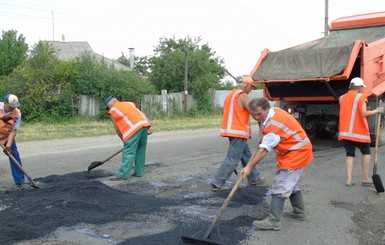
[(224, 206), (377, 137), (116, 153), (18, 165)]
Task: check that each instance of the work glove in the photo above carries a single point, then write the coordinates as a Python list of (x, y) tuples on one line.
[(380, 110), (6, 118), (7, 151)]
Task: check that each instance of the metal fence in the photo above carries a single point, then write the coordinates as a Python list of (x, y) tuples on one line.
[(167, 104), (163, 104)]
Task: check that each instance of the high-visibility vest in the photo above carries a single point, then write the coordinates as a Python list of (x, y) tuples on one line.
[(6, 128), (294, 151), (235, 120), (352, 125), (128, 118)]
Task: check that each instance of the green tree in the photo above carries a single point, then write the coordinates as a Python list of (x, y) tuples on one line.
[(141, 64), (97, 79), (204, 68), (45, 82), (13, 51)]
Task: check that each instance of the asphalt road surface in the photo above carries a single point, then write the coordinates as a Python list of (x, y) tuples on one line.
[(178, 161)]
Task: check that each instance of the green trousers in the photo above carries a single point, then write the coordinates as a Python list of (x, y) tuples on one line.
[(134, 151)]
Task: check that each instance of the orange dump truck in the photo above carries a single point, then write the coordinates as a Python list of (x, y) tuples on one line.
[(309, 78)]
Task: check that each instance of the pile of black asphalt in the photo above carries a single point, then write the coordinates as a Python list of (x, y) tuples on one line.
[(75, 198)]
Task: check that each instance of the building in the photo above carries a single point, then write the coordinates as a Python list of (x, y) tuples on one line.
[(73, 50)]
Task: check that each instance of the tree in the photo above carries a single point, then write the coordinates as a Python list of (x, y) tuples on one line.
[(97, 79), (13, 51), (141, 64), (204, 68), (45, 83)]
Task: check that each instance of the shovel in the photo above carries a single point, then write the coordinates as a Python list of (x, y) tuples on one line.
[(205, 240), (375, 177), (98, 163), (18, 165)]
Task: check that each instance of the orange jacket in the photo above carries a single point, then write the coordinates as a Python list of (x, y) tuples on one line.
[(352, 125), (128, 118), (235, 120), (6, 128), (294, 151)]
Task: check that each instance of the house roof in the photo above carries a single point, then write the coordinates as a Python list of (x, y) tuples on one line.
[(73, 50)]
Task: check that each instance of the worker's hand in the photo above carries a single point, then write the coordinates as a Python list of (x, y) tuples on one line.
[(6, 118), (149, 130), (246, 171), (380, 110), (7, 151)]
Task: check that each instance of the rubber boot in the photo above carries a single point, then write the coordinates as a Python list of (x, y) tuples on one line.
[(272, 222), (298, 211)]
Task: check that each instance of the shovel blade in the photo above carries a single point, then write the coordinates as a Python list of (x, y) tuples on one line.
[(94, 165), (377, 183), (194, 240)]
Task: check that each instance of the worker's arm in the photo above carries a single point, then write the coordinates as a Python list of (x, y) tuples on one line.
[(116, 128), (366, 113), (255, 159), (269, 141), (244, 100)]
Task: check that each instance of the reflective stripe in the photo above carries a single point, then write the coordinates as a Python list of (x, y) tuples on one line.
[(235, 132), (231, 117), (132, 126), (301, 142), (357, 136), (352, 120)]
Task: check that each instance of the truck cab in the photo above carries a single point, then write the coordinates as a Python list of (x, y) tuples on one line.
[(309, 78)]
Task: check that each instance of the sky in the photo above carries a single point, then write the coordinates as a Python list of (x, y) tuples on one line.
[(236, 30)]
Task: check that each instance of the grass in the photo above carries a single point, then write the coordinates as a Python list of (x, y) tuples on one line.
[(85, 127)]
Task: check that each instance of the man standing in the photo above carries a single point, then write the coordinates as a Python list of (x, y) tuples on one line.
[(283, 134), (354, 129), (236, 127), (10, 118), (132, 127)]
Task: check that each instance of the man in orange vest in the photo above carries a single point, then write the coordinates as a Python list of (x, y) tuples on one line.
[(10, 118), (236, 127), (283, 134), (132, 127), (354, 129)]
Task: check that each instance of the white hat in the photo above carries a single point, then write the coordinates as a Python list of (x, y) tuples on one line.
[(357, 81)]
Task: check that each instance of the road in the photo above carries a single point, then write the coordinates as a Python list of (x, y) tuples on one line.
[(336, 214)]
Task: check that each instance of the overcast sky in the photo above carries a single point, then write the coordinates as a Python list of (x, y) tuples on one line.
[(237, 30)]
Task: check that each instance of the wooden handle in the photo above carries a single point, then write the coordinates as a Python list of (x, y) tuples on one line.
[(377, 135), (224, 206), (18, 165), (116, 153)]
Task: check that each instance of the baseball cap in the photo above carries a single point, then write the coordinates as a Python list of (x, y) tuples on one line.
[(109, 98), (357, 81), (12, 100), (248, 80)]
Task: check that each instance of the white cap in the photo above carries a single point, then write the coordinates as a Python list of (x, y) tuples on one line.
[(357, 81)]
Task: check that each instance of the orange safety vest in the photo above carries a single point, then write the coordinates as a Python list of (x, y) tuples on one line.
[(352, 125), (236, 120), (294, 151), (6, 128), (128, 118)]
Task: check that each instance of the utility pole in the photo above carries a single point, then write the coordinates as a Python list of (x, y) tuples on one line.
[(185, 79), (53, 27), (326, 30)]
